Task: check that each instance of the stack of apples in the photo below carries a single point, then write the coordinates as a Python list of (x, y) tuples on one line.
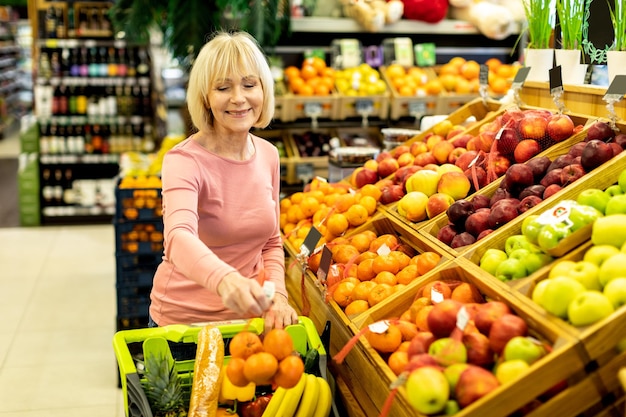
[(454, 347), (368, 267), (590, 289)]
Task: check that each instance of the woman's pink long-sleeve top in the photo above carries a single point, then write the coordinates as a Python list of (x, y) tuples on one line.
[(220, 215)]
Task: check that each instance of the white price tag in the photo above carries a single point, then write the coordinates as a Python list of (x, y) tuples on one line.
[(379, 327)]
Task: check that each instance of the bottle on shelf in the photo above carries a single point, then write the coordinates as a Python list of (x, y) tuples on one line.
[(50, 23)]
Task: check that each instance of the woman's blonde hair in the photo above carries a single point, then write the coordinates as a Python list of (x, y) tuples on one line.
[(226, 54)]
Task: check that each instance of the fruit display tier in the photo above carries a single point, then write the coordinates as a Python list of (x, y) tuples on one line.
[(576, 372)]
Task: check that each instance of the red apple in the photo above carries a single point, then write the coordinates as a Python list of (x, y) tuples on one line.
[(617, 148), (560, 127), (488, 313), (417, 148), (442, 318), (484, 233), (533, 126), (499, 163), (455, 154), (477, 177), (600, 130), (405, 159), (551, 190), (577, 149), (424, 159), (525, 150), (362, 176), (438, 203), (383, 155), (447, 233), (391, 193), (478, 350), (595, 153), (507, 140), (571, 173), (464, 160), (504, 329), (404, 172), (528, 202), (387, 166), (399, 150), (477, 222), (460, 141), (420, 343), (462, 239), (474, 383), (419, 360)]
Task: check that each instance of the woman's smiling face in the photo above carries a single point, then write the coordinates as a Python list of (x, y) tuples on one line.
[(236, 102)]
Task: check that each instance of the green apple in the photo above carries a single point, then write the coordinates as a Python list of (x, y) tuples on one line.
[(599, 253), (614, 190), (615, 291), (519, 242), (491, 259), (452, 407), (531, 227), (589, 307), (428, 390), (621, 181), (594, 197), (511, 370), (537, 294), (511, 269), (447, 351), (581, 216), (616, 205), (561, 268), (609, 230), (612, 268), (453, 372), (551, 234), (535, 261), (558, 294), (524, 348), (586, 273)]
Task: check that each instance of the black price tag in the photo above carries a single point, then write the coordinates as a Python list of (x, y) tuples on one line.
[(556, 79), (617, 88), (521, 75), (483, 75), (324, 266), (310, 241)]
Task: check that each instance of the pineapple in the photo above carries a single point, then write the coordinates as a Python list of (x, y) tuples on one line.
[(163, 388)]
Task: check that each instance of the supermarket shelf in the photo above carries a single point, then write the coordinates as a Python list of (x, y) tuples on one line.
[(347, 25)]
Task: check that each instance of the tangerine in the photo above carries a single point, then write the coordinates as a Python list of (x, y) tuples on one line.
[(306, 90), (260, 367), (364, 271), (343, 293), (427, 261), (388, 239), (356, 215), (379, 293), (278, 342), (337, 224), (362, 289), (292, 72), (385, 263), (308, 72), (385, 277), (371, 190), (361, 242), (244, 344), (370, 204), (290, 370), (398, 361), (407, 274), (234, 372), (356, 307), (387, 341), (344, 201)]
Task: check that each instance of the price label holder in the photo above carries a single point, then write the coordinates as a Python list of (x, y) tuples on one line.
[(324, 266), (483, 82), (313, 110), (364, 107), (373, 56), (417, 109), (518, 82), (310, 241), (398, 51), (347, 53), (556, 88), (614, 94)]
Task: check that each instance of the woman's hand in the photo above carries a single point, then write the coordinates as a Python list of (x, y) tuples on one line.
[(244, 296), (280, 315)]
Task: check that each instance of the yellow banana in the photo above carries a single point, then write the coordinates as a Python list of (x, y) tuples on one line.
[(308, 403), (292, 398), (325, 400), (275, 402)]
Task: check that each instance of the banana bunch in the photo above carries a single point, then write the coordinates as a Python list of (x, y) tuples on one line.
[(311, 397)]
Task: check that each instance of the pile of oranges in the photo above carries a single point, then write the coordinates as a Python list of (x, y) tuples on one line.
[(332, 208), (271, 361), (461, 76), (313, 78), (412, 81)]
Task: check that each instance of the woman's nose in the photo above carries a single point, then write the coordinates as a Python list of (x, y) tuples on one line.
[(237, 95)]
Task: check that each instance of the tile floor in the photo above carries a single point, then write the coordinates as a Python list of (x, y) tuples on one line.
[(58, 306)]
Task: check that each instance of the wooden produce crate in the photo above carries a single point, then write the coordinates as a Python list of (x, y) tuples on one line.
[(306, 165), (310, 107), (431, 227), (360, 136), (363, 106), (586, 99), (449, 102), (599, 340), (287, 151), (407, 106), (601, 177), (562, 364)]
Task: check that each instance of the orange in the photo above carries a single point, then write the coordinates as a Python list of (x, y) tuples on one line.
[(234, 372), (309, 206), (365, 271), (395, 70), (385, 263), (362, 289), (448, 69), (379, 293), (316, 62), (434, 87), (356, 307), (406, 90), (285, 203), (308, 71), (306, 90), (344, 201), (297, 197), (427, 261), (457, 61), (421, 318), (343, 293), (289, 371), (470, 69), (278, 342), (337, 224), (260, 367), (493, 63), (321, 90), (385, 239), (372, 191), (402, 258), (244, 344), (407, 274), (386, 277), (369, 203), (436, 286), (499, 85), (295, 84), (387, 341), (357, 215), (466, 292), (398, 361), (361, 242), (344, 253), (295, 214), (408, 330), (292, 72)]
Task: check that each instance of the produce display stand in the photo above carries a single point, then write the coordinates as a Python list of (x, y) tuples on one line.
[(304, 335), (587, 358)]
